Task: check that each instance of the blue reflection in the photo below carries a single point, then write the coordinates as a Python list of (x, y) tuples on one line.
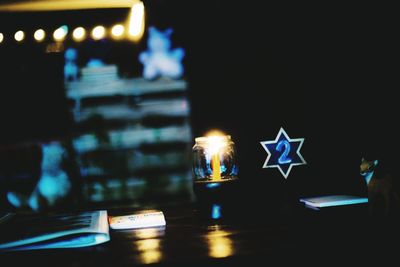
[(213, 185), (223, 168), (216, 211)]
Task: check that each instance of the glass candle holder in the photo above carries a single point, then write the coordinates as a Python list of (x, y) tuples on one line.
[(215, 175), (214, 159)]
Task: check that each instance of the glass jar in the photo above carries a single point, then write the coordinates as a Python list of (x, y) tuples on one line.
[(214, 159), (215, 173)]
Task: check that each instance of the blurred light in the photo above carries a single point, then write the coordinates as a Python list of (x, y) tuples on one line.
[(60, 33), (14, 199), (19, 36), (216, 211), (220, 245), (146, 233), (55, 47), (148, 244), (213, 185), (101, 239), (117, 31), (150, 250), (136, 21), (215, 133), (98, 32), (51, 5), (39, 35), (1, 37), (79, 34)]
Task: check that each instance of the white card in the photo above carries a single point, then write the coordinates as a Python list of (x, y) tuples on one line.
[(138, 220)]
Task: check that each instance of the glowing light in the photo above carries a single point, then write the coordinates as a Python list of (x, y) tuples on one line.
[(117, 31), (52, 5), (215, 145), (150, 250), (136, 21), (213, 185), (286, 159), (148, 244), (1, 37), (216, 211), (146, 233), (79, 34), (60, 33), (55, 47), (39, 35), (220, 244), (215, 133), (14, 199), (101, 239), (215, 141), (19, 36), (333, 200), (98, 32), (283, 159)]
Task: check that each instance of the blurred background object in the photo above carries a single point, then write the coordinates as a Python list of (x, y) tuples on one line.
[(74, 77)]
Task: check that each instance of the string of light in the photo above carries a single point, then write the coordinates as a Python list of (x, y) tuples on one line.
[(132, 30)]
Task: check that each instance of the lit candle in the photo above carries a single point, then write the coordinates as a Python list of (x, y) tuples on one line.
[(215, 144), (216, 167)]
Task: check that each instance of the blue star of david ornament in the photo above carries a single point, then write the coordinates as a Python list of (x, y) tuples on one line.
[(283, 153)]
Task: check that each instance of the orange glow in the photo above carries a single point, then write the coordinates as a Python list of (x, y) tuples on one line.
[(215, 139), (215, 132), (216, 166), (146, 233), (149, 250), (136, 21), (220, 245)]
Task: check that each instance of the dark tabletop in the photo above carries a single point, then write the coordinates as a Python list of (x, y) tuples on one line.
[(188, 239)]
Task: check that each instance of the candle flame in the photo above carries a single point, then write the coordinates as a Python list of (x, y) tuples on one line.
[(215, 132), (215, 140)]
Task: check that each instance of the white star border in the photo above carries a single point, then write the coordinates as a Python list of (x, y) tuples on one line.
[(264, 143)]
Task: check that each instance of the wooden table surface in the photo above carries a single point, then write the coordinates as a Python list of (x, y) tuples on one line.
[(191, 240)]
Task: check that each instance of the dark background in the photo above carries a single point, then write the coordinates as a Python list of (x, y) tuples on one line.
[(326, 73), (323, 72)]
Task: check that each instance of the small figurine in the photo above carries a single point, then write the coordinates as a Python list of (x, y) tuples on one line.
[(71, 70), (382, 197), (159, 60)]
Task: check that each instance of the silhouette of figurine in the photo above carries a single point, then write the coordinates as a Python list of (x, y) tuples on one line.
[(160, 60), (382, 196)]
